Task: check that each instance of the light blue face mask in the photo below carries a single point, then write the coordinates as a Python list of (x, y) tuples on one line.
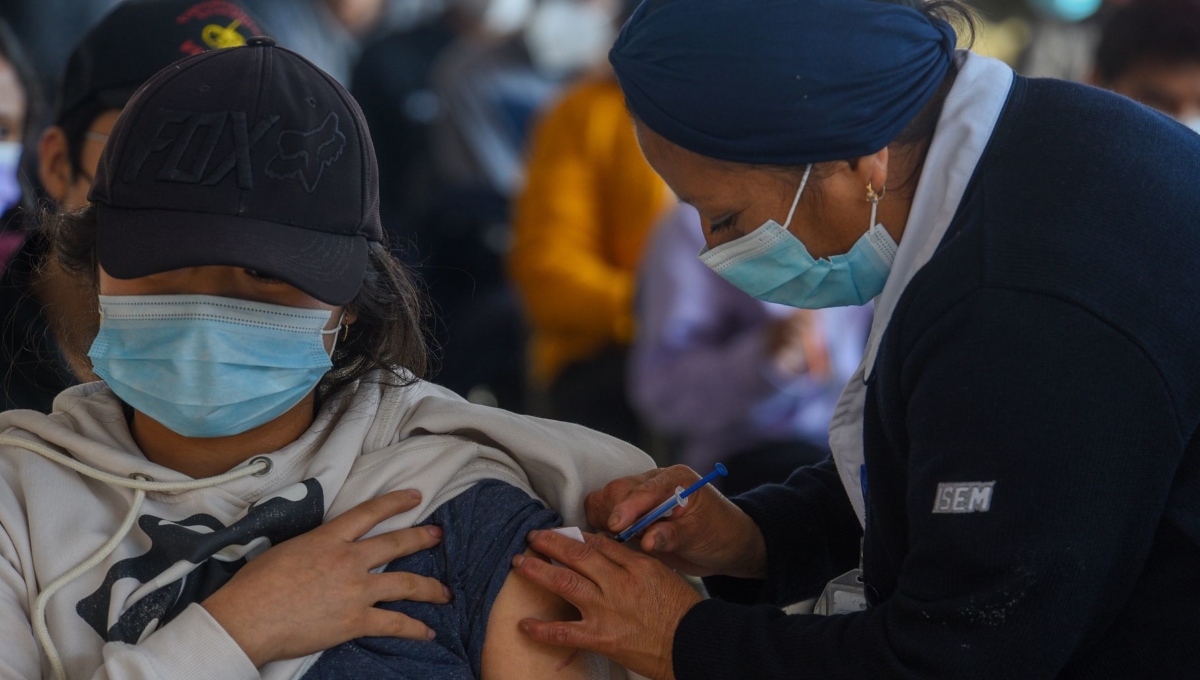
[(774, 266), (207, 366)]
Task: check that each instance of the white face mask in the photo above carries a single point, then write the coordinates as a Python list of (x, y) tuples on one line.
[(498, 17), (565, 36), (1191, 121)]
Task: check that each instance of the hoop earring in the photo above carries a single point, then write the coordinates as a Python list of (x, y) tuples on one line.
[(873, 197), (345, 331)]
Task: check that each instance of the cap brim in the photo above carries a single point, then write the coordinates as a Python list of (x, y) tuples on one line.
[(134, 243)]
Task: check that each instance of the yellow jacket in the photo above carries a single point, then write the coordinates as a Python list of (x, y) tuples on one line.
[(580, 226)]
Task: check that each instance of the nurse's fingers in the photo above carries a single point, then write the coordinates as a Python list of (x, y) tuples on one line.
[(648, 495), (574, 634), (352, 524), (379, 550), (599, 504), (582, 557), (660, 538), (383, 623), (561, 581)]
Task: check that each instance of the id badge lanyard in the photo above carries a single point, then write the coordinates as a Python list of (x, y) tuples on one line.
[(846, 594)]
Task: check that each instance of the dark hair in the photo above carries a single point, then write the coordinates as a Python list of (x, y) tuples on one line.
[(388, 330), (75, 125), (1165, 31)]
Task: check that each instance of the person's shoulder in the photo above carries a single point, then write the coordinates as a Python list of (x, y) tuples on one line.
[(1082, 195)]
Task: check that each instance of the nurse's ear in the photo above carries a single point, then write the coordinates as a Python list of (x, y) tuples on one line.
[(872, 172)]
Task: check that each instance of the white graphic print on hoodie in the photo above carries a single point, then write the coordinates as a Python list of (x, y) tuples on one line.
[(143, 596)]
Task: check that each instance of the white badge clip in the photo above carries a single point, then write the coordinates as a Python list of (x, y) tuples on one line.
[(845, 594)]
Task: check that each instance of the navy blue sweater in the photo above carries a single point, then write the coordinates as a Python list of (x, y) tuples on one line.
[(1052, 345)]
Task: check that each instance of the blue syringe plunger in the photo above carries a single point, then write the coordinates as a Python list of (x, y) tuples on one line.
[(680, 499)]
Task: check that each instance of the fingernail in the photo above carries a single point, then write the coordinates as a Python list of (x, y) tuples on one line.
[(416, 496), (614, 521), (517, 560), (525, 627), (533, 535), (660, 543), (435, 531), (446, 590), (429, 634)]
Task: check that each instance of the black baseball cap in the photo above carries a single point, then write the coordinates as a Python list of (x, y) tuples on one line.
[(139, 37), (248, 157)]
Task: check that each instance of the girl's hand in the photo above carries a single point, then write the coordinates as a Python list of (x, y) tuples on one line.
[(316, 591)]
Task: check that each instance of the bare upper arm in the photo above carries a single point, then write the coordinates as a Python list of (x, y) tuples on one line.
[(509, 654)]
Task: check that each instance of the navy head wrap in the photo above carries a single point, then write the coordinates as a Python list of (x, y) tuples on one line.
[(780, 81)]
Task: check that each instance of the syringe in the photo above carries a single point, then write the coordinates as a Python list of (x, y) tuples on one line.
[(680, 499)]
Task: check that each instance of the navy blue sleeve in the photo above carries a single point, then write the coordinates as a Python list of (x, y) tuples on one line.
[(484, 528), (1075, 425), (811, 534)]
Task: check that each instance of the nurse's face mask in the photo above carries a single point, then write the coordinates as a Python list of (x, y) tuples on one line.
[(772, 265), (208, 366)]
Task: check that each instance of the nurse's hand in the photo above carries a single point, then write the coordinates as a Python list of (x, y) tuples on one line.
[(317, 591), (710, 536), (629, 604)]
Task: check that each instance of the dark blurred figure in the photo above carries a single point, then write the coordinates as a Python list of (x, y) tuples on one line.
[(1150, 52), (332, 33), (58, 26), (581, 224), (49, 318), (450, 104), (20, 102), (731, 379)]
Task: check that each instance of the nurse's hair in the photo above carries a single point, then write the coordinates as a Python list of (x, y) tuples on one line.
[(388, 330)]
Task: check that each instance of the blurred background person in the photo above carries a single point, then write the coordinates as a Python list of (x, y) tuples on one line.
[(332, 33), (1149, 51), (20, 102), (50, 318), (746, 383), (580, 227), (454, 122), (462, 75), (329, 33)]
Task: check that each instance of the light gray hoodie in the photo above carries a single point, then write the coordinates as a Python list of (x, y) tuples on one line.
[(377, 437)]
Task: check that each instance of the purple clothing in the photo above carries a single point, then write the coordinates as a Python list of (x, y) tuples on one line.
[(700, 367)]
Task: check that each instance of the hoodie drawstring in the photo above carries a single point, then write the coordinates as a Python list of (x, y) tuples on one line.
[(140, 483)]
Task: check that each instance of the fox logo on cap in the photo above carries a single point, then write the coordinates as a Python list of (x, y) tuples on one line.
[(305, 155)]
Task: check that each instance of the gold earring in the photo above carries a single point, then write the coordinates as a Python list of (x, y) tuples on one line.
[(345, 331), (873, 197)]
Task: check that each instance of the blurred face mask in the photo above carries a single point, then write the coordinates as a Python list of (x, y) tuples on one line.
[(566, 36), (503, 17), (10, 183), (772, 265), (208, 366)]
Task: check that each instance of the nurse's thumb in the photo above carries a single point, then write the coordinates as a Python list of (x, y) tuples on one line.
[(649, 494), (660, 539)]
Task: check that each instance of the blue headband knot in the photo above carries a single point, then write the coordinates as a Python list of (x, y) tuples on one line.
[(785, 82)]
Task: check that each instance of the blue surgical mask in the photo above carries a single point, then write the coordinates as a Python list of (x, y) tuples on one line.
[(207, 366), (774, 266), (10, 178)]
